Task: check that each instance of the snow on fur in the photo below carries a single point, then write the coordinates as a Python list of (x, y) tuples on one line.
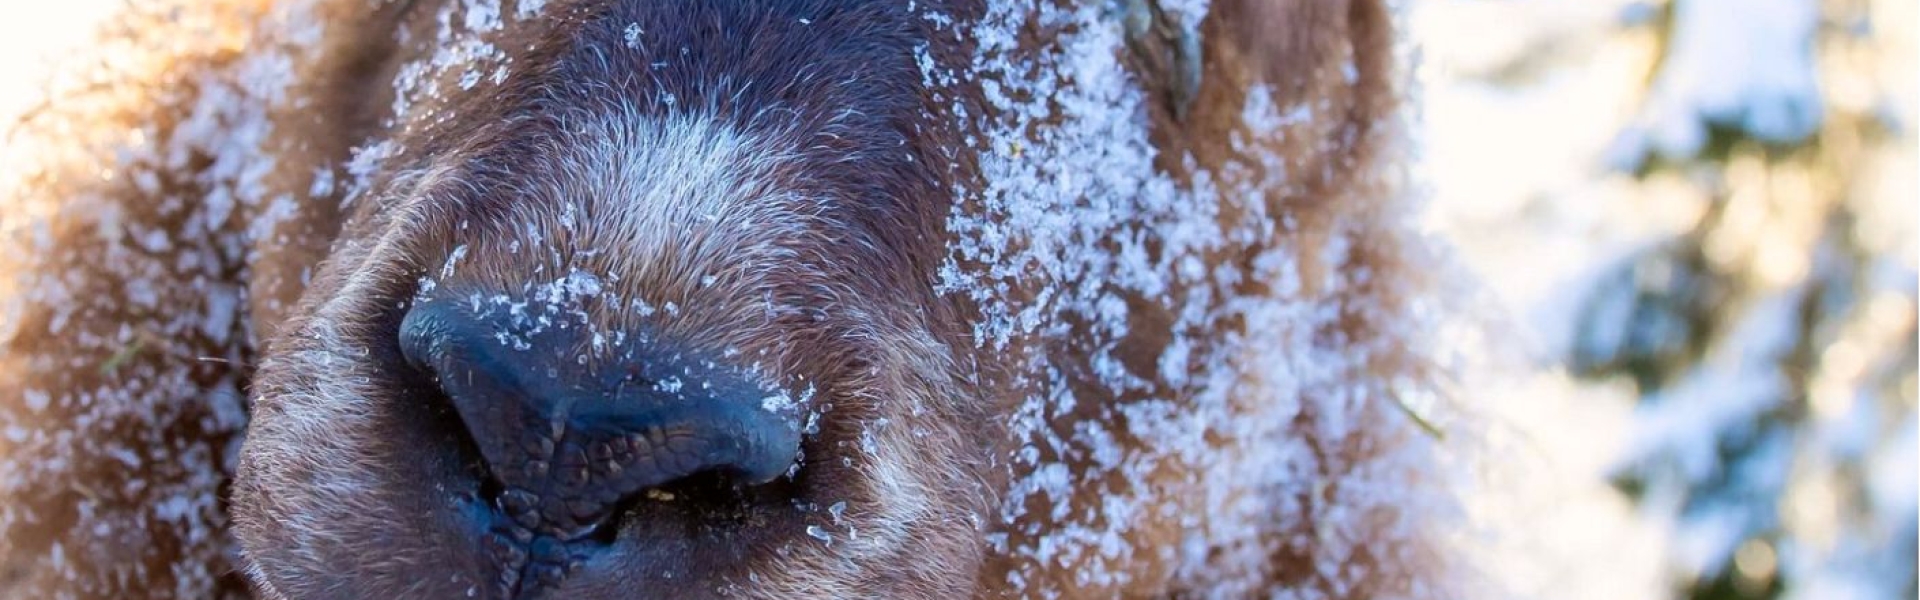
[(1050, 251), (144, 395)]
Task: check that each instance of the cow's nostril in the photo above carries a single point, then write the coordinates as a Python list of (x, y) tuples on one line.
[(569, 440)]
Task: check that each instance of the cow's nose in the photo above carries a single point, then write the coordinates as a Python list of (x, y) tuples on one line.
[(568, 434)]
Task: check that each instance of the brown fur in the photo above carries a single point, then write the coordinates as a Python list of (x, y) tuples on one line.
[(818, 271)]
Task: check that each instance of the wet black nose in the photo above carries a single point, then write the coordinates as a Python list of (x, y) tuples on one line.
[(570, 421)]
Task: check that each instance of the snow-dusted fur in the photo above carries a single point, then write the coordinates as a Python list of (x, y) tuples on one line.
[(1078, 300)]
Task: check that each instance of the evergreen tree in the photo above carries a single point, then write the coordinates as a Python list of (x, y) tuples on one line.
[(1773, 343)]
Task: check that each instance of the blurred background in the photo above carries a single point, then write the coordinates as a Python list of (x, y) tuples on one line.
[(1692, 229), (1694, 224)]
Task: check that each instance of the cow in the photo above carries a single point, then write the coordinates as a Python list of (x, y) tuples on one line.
[(723, 298)]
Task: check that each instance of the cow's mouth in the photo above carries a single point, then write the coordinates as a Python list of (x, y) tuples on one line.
[(586, 440)]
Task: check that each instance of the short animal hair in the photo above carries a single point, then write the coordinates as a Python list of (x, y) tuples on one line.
[(1060, 300)]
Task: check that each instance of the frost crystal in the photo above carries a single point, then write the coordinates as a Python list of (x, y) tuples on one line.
[(632, 35)]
